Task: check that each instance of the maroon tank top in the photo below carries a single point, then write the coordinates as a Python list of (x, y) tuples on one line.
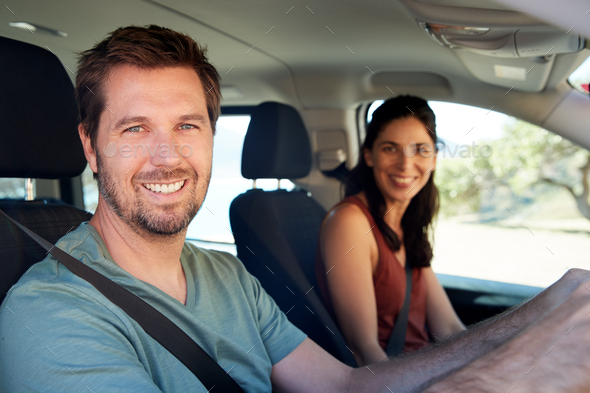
[(389, 280)]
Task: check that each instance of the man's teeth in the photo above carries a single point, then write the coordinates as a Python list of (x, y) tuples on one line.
[(164, 188), (402, 179)]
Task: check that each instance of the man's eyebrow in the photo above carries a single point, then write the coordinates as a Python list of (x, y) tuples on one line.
[(131, 119), (194, 117)]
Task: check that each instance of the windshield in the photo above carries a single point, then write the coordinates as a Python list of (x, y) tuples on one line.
[(580, 78)]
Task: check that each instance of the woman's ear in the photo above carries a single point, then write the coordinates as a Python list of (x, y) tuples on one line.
[(368, 157)]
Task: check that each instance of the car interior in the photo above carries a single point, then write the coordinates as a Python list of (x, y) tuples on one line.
[(305, 76)]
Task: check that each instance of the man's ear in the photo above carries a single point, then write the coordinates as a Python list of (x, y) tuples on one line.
[(368, 157), (87, 145)]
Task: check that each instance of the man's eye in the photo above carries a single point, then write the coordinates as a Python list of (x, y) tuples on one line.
[(134, 129), (187, 127)]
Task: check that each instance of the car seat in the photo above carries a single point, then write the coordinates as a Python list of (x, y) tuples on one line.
[(39, 139), (276, 232)]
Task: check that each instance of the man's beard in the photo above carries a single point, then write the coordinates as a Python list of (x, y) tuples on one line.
[(135, 212)]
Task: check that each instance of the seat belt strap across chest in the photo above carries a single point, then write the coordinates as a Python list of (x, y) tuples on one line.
[(397, 339), (153, 322)]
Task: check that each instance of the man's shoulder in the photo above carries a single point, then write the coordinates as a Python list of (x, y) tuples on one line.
[(49, 285), (52, 303)]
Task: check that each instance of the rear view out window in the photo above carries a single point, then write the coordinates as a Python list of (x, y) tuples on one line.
[(12, 188)]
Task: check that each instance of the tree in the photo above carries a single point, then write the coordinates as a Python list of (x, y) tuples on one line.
[(525, 157), (459, 189)]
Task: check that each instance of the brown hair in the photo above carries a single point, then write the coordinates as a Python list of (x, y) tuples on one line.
[(417, 220), (146, 48)]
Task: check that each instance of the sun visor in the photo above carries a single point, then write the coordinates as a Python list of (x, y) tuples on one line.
[(497, 46), (529, 74)]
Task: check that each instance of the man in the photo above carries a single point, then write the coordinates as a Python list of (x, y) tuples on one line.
[(151, 90)]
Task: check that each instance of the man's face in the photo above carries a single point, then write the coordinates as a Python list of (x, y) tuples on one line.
[(154, 148)]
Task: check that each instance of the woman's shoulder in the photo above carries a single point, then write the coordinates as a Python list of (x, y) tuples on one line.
[(344, 229), (349, 212)]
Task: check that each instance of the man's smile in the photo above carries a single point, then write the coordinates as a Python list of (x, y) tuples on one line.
[(164, 188)]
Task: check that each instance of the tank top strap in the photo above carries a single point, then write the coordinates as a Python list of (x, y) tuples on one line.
[(387, 260), (381, 243)]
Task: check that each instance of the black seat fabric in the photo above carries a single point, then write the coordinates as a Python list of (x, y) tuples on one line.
[(38, 115), (18, 252), (38, 130), (276, 144), (276, 232)]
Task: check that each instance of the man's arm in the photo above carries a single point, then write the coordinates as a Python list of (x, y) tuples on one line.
[(310, 368), (416, 371), (551, 356)]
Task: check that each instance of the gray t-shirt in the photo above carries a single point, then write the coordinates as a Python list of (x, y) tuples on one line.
[(59, 334)]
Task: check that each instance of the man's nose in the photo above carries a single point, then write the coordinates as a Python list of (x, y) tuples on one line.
[(166, 149)]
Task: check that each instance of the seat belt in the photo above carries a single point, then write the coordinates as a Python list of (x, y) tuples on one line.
[(158, 326), (397, 339)]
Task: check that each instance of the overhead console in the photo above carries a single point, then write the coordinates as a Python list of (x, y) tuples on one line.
[(497, 46), (508, 42)]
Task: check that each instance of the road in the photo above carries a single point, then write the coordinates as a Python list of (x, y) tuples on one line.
[(531, 256)]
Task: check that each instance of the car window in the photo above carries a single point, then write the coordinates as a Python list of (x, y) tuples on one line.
[(580, 78), (12, 188), (211, 227), (513, 204)]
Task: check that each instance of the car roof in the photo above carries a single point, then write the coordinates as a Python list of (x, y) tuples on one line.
[(330, 54)]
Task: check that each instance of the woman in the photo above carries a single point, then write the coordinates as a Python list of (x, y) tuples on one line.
[(383, 223)]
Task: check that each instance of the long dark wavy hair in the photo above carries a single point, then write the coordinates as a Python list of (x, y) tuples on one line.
[(417, 220)]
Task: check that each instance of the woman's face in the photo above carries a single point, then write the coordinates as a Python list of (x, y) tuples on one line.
[(402, 159)]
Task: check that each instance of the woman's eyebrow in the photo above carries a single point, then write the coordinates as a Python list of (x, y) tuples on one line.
[(388, 143), (397, 144)]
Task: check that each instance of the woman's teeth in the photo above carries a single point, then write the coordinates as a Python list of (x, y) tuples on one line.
[(404, 180), (164, 188)]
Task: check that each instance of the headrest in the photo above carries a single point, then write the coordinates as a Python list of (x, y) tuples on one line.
[(38, 115), (276, 144)]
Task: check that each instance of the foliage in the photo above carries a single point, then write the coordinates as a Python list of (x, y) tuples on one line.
[(458, 189), (524, 157)]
